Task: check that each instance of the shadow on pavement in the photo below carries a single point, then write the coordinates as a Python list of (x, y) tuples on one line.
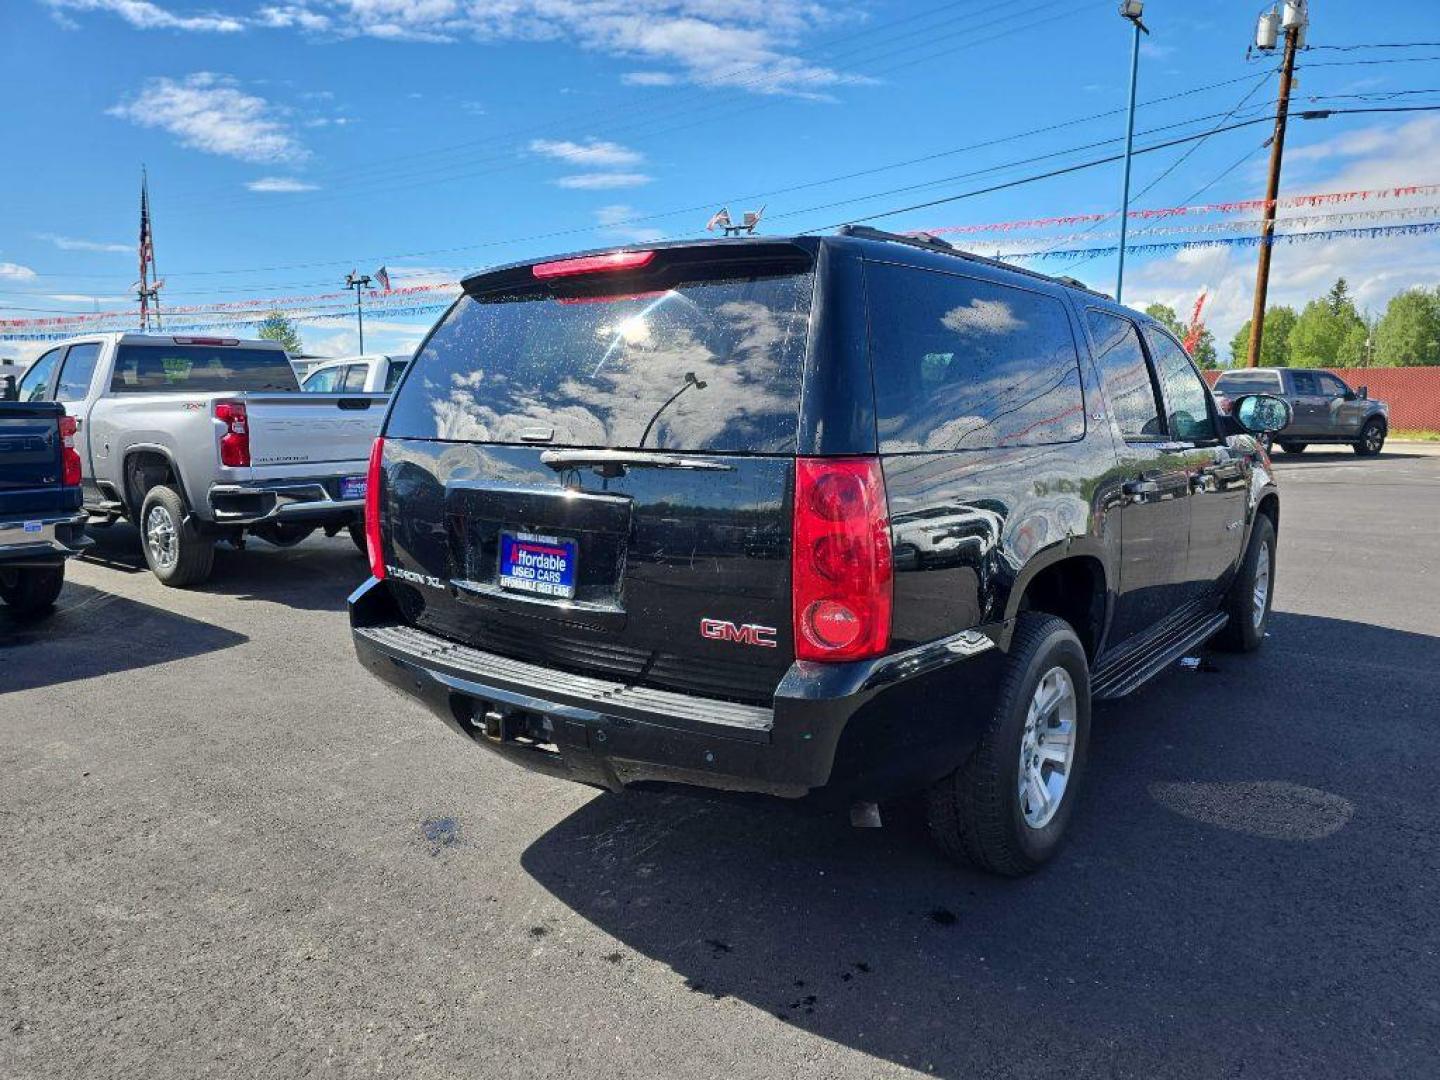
[(314, 575), (1234, 895), (78, 640)]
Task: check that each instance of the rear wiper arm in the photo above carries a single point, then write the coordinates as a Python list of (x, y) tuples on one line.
[(615, 462)]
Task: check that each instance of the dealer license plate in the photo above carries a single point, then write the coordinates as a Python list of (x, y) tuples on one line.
[(541, 565)]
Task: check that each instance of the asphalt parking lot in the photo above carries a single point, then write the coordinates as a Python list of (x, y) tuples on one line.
[(225, 852)]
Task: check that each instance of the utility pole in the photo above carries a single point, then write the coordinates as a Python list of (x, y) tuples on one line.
[(148, 288), (1131, 10), (1294, 22), (358, 282)]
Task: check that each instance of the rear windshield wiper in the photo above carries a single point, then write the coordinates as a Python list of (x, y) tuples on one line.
[(615, 462)]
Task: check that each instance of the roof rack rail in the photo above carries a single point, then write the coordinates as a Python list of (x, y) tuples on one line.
[(944, 247)]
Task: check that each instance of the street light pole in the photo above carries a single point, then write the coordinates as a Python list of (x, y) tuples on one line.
[(358, 282), (1295, 20), (1131, 10)]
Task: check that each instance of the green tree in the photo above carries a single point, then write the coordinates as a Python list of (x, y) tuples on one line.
[(1338, 298), (1319, 334), (1166, 317), (1274, 340), (1409, 334), (276, 327), (1353, 346)]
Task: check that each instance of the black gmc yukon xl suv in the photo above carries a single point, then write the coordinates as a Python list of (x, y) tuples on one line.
[(840, 520)]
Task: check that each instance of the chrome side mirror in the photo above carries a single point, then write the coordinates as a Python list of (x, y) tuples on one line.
[(1261, 414)]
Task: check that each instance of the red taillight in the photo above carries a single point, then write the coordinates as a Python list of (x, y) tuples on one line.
[(69, 458), (372, 510), (841, 573), (235, 443), (593, 264)]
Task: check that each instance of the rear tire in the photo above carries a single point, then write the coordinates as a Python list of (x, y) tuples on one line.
[(175, 550), (1372, 438), (31, 591), (357, 537), (1248, 609), (1293, 447), (980, 814)]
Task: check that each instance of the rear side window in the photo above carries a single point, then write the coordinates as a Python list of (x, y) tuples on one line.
[(392, 376), (200, 369), (965, 364), (709, 366), (75, 375), (354, 379), (1127, 376), (1257, 381)]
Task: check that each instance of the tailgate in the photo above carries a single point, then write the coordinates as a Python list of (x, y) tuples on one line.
[(674, 579), (313, 429), (30, 461)]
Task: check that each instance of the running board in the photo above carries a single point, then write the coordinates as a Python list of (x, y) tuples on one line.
[(1129, 671)]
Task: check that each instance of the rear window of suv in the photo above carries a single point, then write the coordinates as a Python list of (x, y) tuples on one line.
[(705, 366), (965, 364)]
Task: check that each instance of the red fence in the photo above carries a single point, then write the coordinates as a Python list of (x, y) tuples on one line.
[(1413, 393)]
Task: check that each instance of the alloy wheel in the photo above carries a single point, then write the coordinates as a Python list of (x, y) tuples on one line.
[(1260, 595), (160, 537), (1047, 747)]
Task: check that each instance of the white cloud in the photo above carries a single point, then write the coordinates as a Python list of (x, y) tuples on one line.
[(209, 112), (602, 181), (592, 153), (144, 15), (69, 243), (612, 221), (81, 298), (280, 184), (648, 78), (746, 44), (15, 272)]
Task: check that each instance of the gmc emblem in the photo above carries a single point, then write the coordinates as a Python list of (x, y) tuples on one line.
[(749, 634)]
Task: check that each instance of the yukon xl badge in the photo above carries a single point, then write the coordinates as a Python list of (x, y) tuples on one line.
[(749, 634), (414, 578)]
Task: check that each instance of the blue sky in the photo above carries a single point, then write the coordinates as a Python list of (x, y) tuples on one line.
[(288, 142)]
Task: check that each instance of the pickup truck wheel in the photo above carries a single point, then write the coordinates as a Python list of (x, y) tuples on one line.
[(1006, 809), (357, 537), (176, 551), (1252, 593), (31, 590), (1372, 438), (1293, 447)]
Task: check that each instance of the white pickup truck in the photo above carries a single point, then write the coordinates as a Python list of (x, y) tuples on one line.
[(199, 439), (374, 374)]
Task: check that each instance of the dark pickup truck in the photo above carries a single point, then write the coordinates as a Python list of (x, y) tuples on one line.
[(1323, 408), (41, 522)]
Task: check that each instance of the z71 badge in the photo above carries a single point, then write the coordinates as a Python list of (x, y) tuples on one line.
[(749, 634)]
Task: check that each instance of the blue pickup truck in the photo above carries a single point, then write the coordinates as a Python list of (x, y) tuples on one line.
[(41, 520)]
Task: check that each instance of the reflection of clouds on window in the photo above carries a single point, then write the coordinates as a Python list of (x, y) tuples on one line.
[(982, 317), (599, 373)]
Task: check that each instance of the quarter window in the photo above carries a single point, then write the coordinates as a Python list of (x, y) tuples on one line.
[(1127, 376), (74, 382), (35, 383), (964, 364), (1184, 390)]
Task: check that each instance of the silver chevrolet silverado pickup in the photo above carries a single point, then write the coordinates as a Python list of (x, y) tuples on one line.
[(199, 439)]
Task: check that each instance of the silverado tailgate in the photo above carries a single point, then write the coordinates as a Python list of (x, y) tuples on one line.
[(313, 429)]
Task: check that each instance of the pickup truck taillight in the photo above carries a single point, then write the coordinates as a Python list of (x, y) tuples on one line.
[(841, 572), (235, 443), (372, 510), (69, 457)]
